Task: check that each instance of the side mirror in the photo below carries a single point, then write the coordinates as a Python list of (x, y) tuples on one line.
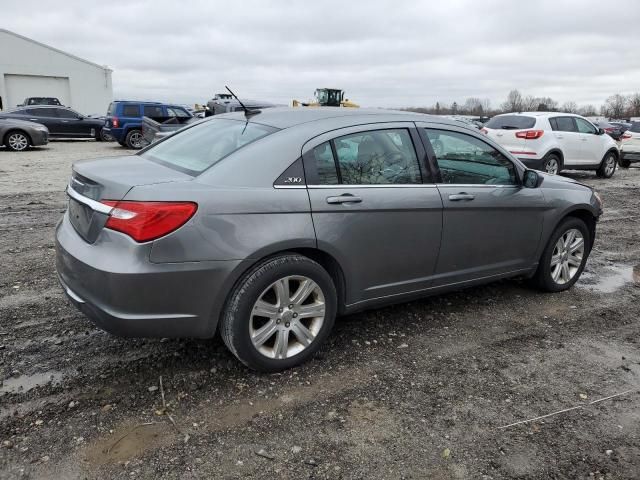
[(531, 179), (600, 131), (80, 117)]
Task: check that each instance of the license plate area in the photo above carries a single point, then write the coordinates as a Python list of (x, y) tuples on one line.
[(87, 222)]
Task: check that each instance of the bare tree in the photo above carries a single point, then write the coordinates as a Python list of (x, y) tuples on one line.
[(615, 106), (514, 102), (588, 111), (634, 105), (486, 106), (569, 107), (473, 106), (530, 103)]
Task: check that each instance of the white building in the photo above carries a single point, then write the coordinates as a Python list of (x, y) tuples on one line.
[(32, 69)]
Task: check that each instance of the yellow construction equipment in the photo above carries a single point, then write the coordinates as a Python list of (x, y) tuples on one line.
[(327, 97)]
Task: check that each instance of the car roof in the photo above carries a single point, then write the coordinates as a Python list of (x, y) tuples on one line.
[(285, 117), (541, 114), (138, 101)]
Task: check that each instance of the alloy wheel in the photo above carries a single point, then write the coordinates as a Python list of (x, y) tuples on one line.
[(609, 166), (18, 141), (551, 166), (137, 140), (567, 256), (287, 317)]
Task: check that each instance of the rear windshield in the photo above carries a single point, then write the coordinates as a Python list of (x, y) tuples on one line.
[(635, 127), (195, 149), (511, 122)]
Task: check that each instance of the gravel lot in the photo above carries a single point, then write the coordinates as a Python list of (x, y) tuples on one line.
[(412, 391)]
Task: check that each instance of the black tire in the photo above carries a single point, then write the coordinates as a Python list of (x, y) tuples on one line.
[(134, 139), (607, 166), (552, 164), (624, 163), (122, 144), (17, 141), (542, 278), (236, 318)]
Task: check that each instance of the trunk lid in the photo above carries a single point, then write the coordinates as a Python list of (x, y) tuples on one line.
[(109, 179)]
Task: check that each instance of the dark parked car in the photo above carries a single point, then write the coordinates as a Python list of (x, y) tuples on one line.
[(40, 101), (124, 120), (18, 135), (615, 131), (265, 228), (62, 122)]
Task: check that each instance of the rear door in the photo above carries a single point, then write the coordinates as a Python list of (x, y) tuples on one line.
[(566, 132), (491, 224), (375, 208)]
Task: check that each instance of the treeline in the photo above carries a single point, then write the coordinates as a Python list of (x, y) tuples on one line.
[(616, 106)]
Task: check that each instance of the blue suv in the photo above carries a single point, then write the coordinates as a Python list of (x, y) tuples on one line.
[(124, 120)]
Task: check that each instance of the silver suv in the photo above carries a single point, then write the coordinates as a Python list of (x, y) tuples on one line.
[(266, 227)]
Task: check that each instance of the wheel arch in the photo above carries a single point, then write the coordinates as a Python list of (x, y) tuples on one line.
[(614, 150), (323, 258), (558, 152), (587, 216), (16, 130)]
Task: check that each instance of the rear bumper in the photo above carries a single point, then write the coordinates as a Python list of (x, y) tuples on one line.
[(117, 133), (630, 156), (114, 284)]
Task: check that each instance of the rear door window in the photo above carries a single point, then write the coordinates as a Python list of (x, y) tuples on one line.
[(131, 110), (153, 111), (564, 124), (376, 157), (464, 159), (511, 122), (63, 113)]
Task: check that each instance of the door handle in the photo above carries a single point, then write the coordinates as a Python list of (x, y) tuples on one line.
[(461, 196), (65, 121), (583, 139), (559, 136), (344, 198), (33, 119)]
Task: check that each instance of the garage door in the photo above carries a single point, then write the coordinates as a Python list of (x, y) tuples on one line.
[(19, 87)]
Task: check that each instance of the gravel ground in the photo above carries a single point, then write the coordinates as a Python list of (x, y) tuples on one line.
[(413, 391)]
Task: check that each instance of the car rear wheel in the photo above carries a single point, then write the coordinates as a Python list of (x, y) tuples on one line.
[(280, 313), (17, 141), (564, 257), (552, 164), (135, 140), (608, 166)]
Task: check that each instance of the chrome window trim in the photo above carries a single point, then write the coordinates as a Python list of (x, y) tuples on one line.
[(289, 186), (377, 185), (92, 204), (476, 185)]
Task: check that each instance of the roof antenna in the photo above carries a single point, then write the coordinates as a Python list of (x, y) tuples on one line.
[(247, 113)]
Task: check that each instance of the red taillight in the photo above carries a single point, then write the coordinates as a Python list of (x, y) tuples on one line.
[(484, 130), (609, 130), (530, 134), (145, 221), (115, 122), (626, 136)]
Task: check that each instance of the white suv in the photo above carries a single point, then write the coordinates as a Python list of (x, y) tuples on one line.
[(630, 148), (553, 141)]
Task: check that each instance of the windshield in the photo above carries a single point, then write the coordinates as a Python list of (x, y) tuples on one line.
[(511, 122), (322, 96), (195, 149)]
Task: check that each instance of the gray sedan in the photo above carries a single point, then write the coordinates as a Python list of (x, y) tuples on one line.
[(267, 227), (18, 135)]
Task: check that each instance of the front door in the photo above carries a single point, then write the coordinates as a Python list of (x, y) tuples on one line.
[(73, 125), (374, 208), (591, 151), (491, 224), (566, 132)]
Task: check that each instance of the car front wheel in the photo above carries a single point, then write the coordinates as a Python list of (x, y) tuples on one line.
[(564, 257), (279, 313), (608, 166)]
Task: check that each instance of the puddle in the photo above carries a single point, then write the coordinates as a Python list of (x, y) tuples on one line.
[(611, 279), (24, 383)]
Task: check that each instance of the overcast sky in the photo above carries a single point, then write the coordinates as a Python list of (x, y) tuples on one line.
[(383, 53)]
